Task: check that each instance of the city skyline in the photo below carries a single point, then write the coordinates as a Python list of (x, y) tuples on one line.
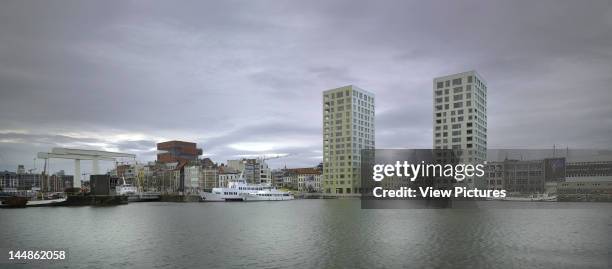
[(105, 77)]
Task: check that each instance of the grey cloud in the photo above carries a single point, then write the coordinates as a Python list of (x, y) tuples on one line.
[(137, 145), (20, 148), (40, 139)]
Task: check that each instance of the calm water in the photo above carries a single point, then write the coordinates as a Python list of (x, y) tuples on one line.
[(313, 234)]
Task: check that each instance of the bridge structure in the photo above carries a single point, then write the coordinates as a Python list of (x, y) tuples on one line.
[(83, 154)]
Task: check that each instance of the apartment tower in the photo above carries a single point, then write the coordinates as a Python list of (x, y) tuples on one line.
[(460, 117), (348, 127)]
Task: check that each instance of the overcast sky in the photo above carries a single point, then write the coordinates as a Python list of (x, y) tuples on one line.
[(245, 78)]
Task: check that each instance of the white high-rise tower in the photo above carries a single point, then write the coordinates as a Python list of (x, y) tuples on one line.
[(460, 116), (348, 127)]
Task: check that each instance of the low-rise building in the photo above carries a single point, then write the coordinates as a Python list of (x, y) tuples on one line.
[(210, 178), (585, 189), (524, 176), (516, 176), (226, 173), (23, 182), (20, 181), (599, 169), (277, 177), (256, 171), (304, 179), (495, 176)]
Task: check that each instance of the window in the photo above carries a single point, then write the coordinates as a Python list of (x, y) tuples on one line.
[(458, 97), (458, 105), (469, 79), (457, 81), (440, 85)]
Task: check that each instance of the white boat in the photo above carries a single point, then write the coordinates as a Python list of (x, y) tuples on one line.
[(240, 190), (134, 195), (46, 202), (126, 189)]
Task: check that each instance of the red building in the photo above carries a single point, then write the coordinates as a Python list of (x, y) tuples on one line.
[(177, 151)]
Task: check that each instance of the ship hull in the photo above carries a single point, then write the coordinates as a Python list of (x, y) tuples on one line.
[(243, 197)]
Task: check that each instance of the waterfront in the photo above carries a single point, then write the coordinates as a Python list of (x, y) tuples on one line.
[(312, 233)]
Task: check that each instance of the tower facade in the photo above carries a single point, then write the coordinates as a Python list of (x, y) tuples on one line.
[(348, 127), (460, 116)]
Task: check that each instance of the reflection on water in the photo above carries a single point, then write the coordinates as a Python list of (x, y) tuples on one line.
[(312, 233)]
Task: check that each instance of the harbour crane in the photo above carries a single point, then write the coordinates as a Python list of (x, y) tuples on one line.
[(83, 154), (264, 158)]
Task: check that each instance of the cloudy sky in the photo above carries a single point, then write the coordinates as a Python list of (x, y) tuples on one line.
[(245, 78)]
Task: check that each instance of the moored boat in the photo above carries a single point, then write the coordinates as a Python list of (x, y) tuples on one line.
[(240, 190), (134, 195), (14, 202)]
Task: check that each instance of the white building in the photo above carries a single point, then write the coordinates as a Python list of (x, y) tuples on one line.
[(460, 116), (210, 178), (237, 165), (309, 182), (348, 127), (303, 179), (224, 177), (255, 170), (265, 173), (193, 175)]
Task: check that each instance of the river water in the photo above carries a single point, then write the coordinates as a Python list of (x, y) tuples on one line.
[(312, 234)]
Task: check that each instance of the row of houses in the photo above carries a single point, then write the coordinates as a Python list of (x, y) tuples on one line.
[(203, 175), (179, 169), (300, 179)]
